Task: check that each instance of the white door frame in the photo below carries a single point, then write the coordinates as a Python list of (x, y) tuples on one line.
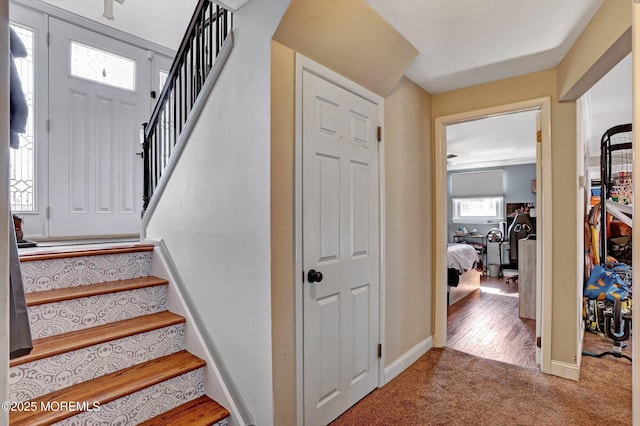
[(305, 64), (544, 262)]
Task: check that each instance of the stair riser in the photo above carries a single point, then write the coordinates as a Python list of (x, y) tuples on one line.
[(39, 275), (145, 404), (39, 377), (77, 314)]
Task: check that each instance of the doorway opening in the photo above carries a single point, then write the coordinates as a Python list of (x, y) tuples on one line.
[(541, 184), (491, 237), (605, 141)]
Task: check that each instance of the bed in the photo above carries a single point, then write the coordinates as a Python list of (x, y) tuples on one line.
[(464, 271)]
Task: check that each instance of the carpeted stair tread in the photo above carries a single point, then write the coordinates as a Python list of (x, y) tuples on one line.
[(108, 388), (61, 254), (87, 290), (201, 411), (66, 342)]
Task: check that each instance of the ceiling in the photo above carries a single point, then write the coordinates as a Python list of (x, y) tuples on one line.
[(463, 43), (460, 44), (491, 142), (164, 23)]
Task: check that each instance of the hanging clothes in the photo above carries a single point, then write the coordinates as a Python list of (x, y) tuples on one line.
[(20, 342), (18, 111)]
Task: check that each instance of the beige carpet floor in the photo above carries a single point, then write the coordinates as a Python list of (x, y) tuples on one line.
[(447, 387)]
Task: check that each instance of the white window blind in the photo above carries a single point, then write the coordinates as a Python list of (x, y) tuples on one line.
[(475, 184)]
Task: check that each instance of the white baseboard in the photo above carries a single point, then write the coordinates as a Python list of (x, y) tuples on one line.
[(408, 358), (565, 370)]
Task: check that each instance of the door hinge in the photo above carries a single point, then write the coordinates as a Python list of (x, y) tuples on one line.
[(153, 94), (379, 134), (48, 39), (539, 341), (379, 350), (48, 212), (47, 124), (539, 136)]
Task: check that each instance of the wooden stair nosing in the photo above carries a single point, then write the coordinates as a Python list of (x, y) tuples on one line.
[(201, 411), (87, 290), (66, 342), (107, 388), (31, 257)]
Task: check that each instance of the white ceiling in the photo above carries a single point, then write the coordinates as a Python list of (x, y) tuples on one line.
[(161, 21), (492, 142), (463, 43)]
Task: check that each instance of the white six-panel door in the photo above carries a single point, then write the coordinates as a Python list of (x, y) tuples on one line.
[(95, 177), (340, 241)]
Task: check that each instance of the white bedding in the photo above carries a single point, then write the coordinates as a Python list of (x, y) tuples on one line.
[(461, 257)]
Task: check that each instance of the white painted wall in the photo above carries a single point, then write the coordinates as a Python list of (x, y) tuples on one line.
[(161, 21), (214, 214), (4, 206)]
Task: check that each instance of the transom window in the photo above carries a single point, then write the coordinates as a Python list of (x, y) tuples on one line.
[(478, 210), (102, 67)]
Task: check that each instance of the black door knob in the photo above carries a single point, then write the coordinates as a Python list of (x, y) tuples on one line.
[(314, 276)]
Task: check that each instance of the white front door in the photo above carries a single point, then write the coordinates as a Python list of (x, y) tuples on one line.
[(99, 97), (340, 242)]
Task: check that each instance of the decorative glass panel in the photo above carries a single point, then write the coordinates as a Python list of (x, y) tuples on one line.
[(102, 66), (22, 173)]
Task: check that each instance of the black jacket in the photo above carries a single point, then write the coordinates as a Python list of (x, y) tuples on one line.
[(19, 110)]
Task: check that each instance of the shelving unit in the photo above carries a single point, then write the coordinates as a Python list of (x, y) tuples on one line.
[(616, 164)]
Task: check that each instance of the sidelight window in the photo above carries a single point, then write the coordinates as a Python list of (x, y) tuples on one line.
[(22, 171)]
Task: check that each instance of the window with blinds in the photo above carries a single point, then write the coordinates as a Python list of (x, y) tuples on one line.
[(477, 197)]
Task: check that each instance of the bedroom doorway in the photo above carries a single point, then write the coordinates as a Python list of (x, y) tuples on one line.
[(492, 192)]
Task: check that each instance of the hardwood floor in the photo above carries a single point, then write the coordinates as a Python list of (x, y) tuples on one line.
[(486, 324)]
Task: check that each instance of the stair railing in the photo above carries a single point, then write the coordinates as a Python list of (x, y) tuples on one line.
[(209, 28)]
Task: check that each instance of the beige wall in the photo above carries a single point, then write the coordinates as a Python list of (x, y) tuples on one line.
[(326, 34), (565, 187), (407, 133), (282, 236), (408, 248), (350, 38)]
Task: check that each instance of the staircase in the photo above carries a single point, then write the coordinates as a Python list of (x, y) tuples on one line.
[(106, 350)]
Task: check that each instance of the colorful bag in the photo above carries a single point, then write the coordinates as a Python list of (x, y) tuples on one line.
[(606, 284)]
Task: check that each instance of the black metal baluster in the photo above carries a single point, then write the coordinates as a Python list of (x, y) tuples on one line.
[(217, 30), (187, 76), (202, 37), (210, 36), (145, 169), (196, 86), (179, 100), (175, 118)]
